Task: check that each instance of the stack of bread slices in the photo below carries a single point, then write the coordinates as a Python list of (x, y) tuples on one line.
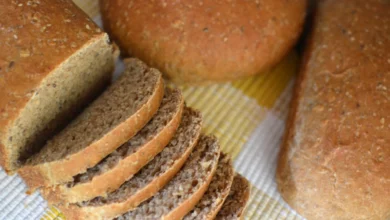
[(137, 152), (129, 150)]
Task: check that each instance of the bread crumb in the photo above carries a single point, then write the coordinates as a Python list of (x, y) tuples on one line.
[(318, 108), (206, 164), (382, 120), (24, 53)]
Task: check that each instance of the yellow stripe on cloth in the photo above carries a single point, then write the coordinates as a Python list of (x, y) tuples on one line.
[(53, 214), (268, 86)]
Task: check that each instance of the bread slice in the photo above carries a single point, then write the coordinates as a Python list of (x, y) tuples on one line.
[(149, 180), (117, 115), (219, 188), (185, 190), (110, 173), (48, 72), (235, 203)]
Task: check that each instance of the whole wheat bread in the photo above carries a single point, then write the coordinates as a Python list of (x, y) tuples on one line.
[(48, 72), (185, 190), (334, 162), (112, 119), (110, 173), (234, 205), (149, 180), (219, 188)]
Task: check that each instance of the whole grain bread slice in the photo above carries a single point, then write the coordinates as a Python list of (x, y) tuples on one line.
[(185, 190), (112, 119), (235, 203), (149, 180), (219, 188), (110, 173)]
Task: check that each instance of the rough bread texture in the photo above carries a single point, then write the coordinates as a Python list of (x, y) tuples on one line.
[(48, 72), (202, 41), (335, 158), (234, 205), (219, 189), (112, 119), (110, 173), (149, 180), (184, 191)]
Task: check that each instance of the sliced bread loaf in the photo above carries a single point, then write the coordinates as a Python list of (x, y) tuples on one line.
[(112, 119), (185, 190), (219, 188), (48, 72), (235, 203), (149, 180), (110, 173)]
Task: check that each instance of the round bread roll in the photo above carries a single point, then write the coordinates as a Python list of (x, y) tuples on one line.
[(194, 42)]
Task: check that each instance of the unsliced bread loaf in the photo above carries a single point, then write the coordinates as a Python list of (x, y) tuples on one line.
[(185, 190), (219, 188), (149, 180), (234, 205), (53, 60), (117, 115), (110, 173), (205, 41), (335, 160)]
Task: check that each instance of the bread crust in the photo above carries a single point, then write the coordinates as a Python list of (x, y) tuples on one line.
[(112, 210), (212, 41), (240, 192), (124, 170), (27, 41), (331, 162), (63, 170)]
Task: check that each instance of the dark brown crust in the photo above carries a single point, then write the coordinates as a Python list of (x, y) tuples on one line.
[(63, 170), (235, 203), (124, 170), (332, 161), (212, 40), (25, 27)]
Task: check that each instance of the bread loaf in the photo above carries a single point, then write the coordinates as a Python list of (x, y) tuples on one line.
[(53, 60), (110, 173), (112, 119), (203, 41), (334, 163)]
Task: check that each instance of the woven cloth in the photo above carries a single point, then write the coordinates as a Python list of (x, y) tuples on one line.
[(248, 117)]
